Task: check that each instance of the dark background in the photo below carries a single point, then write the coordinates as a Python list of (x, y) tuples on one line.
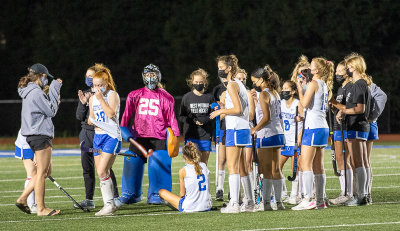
[(180, 36)]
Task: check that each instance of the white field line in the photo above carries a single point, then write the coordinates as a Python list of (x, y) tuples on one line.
[(329, 226)]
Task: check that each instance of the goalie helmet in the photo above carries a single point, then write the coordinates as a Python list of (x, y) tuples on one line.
[(151, 76)]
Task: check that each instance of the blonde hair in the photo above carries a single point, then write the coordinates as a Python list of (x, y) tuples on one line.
[(302, 62), (358, 63), (102, 72), (192, 153), (241, 71), (200, 72), (326, 69), (230, 60)]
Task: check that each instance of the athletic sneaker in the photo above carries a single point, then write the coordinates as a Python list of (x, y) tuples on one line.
[(247, 207), (231, 208), (33, 208), (321, 205), (154, 199), (280, 206), (259, 207), (369, 198), (117, 202), (339, 200), (364, 201), (108, 209), (268, 206), (220, 195), (305, 204), (293, 200), (353, 201), (86, 204)]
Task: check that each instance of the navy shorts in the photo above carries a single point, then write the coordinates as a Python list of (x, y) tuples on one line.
[(106, 143)]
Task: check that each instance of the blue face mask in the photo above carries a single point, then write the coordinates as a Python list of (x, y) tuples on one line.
[(102, 89), (89, 82), (44, 81)]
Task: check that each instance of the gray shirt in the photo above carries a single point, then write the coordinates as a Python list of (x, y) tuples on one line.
[(38, 109)]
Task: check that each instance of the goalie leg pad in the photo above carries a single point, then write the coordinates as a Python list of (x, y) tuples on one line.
[(159, 175), (132, 178)]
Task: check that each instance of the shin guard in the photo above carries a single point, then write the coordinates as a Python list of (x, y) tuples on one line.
[(132, 178), (159, 175)]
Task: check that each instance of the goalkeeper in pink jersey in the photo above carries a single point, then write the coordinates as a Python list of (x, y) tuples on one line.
[(148, 113)]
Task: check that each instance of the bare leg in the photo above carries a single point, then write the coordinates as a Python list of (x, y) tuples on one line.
[(169, 197), (221, 157), (204, 156)]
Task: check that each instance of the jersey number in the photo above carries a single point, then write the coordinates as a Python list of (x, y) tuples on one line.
[(287, 125), (101, 116), (148, 107), (324, 102), (202, 179)]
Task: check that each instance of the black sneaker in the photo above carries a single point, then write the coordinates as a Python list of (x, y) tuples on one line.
[(364, 201), (86, 204), (219, 196)]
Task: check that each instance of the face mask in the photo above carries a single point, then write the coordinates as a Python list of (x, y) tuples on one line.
[(286, 95), (102, 90), (151, 83), (244, 82), (198, 87), (222, 74), (350, 74), (257, 88), (309, 76), (339, 78), (89, 82), (44, 81)]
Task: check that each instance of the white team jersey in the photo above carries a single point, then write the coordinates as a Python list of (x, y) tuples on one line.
[(289, 125), (110, 126), (316, 112), (21, 141), (198, 197), (274, 126), (238, 121)]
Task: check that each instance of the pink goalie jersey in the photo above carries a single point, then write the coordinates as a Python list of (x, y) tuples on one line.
[(153, 113)]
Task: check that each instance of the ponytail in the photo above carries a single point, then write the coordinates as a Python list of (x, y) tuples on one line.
[(325, 71), (30, 77), (302, 62), (270, 77), (102, 72), (191, 153)]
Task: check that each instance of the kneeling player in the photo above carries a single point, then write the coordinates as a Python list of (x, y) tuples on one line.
[(194, 185)]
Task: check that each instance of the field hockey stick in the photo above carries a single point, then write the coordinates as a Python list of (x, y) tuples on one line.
[(141, 148), (255, 169), (293, 177), (332, 143), (93, 150), (69, 196), (217, 130), (344, 158)]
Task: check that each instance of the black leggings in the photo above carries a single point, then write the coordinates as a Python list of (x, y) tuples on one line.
[(88, 167)]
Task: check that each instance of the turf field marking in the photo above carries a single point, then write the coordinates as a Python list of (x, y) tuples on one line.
[(329, 226)]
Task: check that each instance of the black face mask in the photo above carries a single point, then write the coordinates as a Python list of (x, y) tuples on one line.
[(350, 74), (257, 88), (286, 95), (198, 87), (339, 78), (309, 76), (222, 74)]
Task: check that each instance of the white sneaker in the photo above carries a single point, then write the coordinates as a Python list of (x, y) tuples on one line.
[(231, 208), (33, 208), (339, 200), (305, 204), (247, 207), (117, 202), (107, 210), (293, 200)]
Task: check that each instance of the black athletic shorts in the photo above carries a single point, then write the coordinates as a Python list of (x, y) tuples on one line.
[(39, 142), (148, 143)]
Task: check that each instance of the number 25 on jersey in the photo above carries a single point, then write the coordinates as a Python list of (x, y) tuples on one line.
[(148, 106)]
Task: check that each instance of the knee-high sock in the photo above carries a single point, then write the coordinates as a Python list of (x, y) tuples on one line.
[(267, 189), (362, 181), (284, 189), (355, 183), (342, 183), (234, 187), (301, 180), (107, 189), (31, 198), (295, 188), (247, 188), (251, 177), (221, 179), (320, 181), (308, 179), (370, 181), (278, 187), (349, 179), (367, 187)]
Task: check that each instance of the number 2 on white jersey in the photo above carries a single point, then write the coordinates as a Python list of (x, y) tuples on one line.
[(148, 107)]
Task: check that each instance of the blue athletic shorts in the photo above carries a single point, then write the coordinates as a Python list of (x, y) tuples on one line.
[(181, 203), (24, 154), (337, 135), (237, 137), (271, 142), (357, 135), (203, 145), (222, 136), (289, 151), (373, 131), (317, 137), (106, 143)]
